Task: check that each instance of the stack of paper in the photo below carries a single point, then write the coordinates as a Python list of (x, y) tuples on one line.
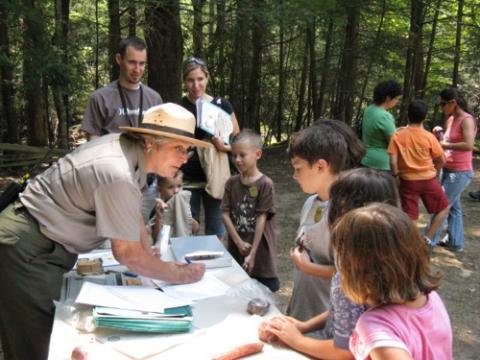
[(174, 320), (135, 308)]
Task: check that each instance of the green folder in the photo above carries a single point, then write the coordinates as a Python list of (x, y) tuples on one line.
[(173, 320)]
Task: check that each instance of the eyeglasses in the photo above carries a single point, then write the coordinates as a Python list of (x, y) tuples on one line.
[(442, 103)]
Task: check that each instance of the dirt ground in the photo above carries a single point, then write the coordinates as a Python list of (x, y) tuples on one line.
[(460, 288)]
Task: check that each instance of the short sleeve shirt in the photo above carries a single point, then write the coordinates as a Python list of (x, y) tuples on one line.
[(377, 128), (416, 148), (425, 333), (311, 294), (343, 315), (91, 194), (105, 111), (244, 202)]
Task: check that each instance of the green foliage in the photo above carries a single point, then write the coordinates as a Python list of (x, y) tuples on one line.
[(228, 44)]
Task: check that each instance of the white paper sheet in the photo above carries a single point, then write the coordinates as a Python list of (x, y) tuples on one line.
[(234, 330), (144, 346), (162, 241), (208, 287), (127, 297)]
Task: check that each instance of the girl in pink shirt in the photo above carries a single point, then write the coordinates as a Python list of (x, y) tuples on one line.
[(384, 262)]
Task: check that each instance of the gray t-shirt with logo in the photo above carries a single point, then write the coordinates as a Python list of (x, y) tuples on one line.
[(105, 112), (91, 194), (311, 294)]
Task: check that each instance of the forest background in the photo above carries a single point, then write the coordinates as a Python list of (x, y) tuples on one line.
[(282, 63)]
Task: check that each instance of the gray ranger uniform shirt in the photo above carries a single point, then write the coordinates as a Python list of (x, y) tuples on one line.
[(91, 194)]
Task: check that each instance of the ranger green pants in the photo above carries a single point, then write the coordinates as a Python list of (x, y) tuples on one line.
[(31, 272)]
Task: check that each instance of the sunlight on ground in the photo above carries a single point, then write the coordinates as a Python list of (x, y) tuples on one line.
[(444, 257), (475, 232)]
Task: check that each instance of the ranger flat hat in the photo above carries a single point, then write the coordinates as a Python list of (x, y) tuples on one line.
[(168, 120)]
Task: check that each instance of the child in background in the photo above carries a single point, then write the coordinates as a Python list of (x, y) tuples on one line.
[(318, 155), (173, 208), (248, 212), (353, 189), (415, 157), (384, 263)]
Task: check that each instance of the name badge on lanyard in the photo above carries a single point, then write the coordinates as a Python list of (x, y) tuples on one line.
[(125, 109)]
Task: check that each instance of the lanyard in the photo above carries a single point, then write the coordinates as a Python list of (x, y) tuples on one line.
[(124, 104)]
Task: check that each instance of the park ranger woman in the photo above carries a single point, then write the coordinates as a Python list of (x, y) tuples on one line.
[(91, 194)]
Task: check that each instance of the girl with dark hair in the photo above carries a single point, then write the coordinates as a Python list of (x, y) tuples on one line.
[(458, 141), (378, 125)]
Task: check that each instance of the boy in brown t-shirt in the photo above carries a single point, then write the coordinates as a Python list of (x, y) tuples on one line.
[(248, 212)]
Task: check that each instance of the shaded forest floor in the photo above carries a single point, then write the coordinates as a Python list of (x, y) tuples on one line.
[(460, 288)]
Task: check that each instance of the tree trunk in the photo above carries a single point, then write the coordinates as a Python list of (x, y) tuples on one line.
[(281, 80), (163, 35), (198, 27), (325, 67), (34, 40), (97, 46), (220, 44), (254, 84), (413, 65), (9, 117), (238, 68), (114, 36), (347, 76), (313, 70), (458, 43), (209, 51), (371, 60), (303, 83), (430, 48), (60, 82), (132, 18)]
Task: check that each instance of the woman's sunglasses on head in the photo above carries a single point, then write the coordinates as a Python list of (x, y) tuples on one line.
[(196, 60)]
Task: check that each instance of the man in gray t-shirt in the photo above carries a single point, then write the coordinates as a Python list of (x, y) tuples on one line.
[(123, 101)]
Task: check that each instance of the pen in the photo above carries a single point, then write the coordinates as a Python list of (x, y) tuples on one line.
[(130, 274), (126, 273)]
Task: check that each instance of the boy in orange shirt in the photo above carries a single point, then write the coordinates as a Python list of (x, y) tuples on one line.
[(415, 157)]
